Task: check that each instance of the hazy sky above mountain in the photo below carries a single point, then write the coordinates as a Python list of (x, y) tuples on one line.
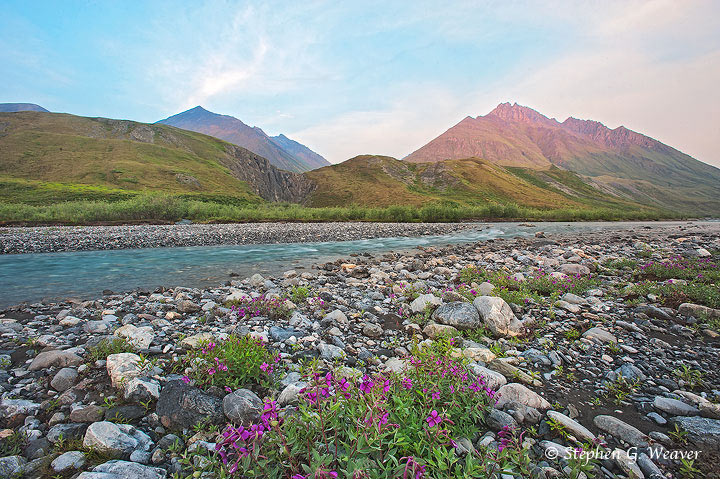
[(348, 78)]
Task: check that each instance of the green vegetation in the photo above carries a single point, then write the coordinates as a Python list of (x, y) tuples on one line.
[(232, 363), (673, 294), (106, 347)]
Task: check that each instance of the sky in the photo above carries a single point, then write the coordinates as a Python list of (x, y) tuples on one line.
[(386, 77)]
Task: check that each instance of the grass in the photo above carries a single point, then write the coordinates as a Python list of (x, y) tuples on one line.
[(106, 347), (168, 208)]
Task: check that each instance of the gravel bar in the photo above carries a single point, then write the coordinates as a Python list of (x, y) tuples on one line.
[(85, 238)]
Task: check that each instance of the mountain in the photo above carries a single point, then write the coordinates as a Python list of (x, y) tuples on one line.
[(619, 160), (42, 150), (300, 152), (380, 181), (13, 107), (280, 150)]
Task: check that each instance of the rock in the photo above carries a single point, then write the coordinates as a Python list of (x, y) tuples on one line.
[(55, 359), (653, 312), (187, 306), (698, 311), (498, 316), (648, 467), (256, 280), (283, 334), (196, 340), (621, 430), (702, 431), (627, 464), (573, 298), (116, 440), (140, 337), (497, 420), (519, 393), (457, 314), (674, 407), (69, 461), (485, 288), (141, 389), (573, 308), (336, 317), (242, 406), (330, 352), (289, 395), (18, 407), (554, 450), (122, 367), (124, 470), (11, 466), (435, 330), (372, 330), (182, 406), (600, 334), (423, 301), (483, 355), (91, 413), (493, 379), (572, 269), (572, 426), (512, 372), (66, 431), (64, 379), (395, 365)]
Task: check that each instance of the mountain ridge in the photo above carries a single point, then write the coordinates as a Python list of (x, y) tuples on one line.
[(16, 107), (253, 138)]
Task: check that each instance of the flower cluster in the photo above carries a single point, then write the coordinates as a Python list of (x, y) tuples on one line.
[(272, 308)]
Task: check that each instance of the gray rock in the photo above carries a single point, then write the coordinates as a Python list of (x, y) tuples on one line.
[(91, 413), (289, 394), (627, 464), (648, 467), (600, 334), (330, 352), (116, 440), (182, 406), (283, 334), (621, 430), (336, 317), (702, 431), (187, 306), (142, 389), (71, 460), (698, 311), (55, 359), (435, 330), (423, 301), (122, 367), (573, 308), (674, 407), (242, 406), (498, 316), (10, 466), (140, 337), (64, 379), (372, 330), (572, 426), (497, 420), (66, 432), (14, 407), (515, 392), (457, 314), (572, 269), (124, 470), (494, 379)]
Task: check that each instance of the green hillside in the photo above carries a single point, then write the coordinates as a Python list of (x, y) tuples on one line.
[(45, 157), (380, 181)]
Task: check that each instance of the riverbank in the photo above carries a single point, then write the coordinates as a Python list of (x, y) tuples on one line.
[(85, 238), (603, 340)]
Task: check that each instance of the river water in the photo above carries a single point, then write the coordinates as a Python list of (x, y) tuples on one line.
[(85, 274)]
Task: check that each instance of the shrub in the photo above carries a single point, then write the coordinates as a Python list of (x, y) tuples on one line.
[(231, 363), (376, 426), (272, 308)]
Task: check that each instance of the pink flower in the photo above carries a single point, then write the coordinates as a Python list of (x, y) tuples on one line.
[(186, 380), (367, 385), (268, 368), (436, 395), (407, 383), (434, 418)]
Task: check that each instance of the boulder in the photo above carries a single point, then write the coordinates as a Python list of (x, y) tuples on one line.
[(242, 406), (140, 337), (182, 406), (600, 334), (423, 301), (435, 330), (122, 367), (458, 314), (498, 317), (674, 407), (572, 426), (69, 461), (55, 359), (116, 440), (64, 379), (515, 392), (124, 470), (621, 430), (572, 269), (702, 431)]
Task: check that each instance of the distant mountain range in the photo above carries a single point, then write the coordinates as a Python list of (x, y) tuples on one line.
[(280, 150), (621, 161), (513, 155), (13, 107)]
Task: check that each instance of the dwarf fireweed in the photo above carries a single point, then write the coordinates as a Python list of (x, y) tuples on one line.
[(372, 426), (230, 363), (272, 308)]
